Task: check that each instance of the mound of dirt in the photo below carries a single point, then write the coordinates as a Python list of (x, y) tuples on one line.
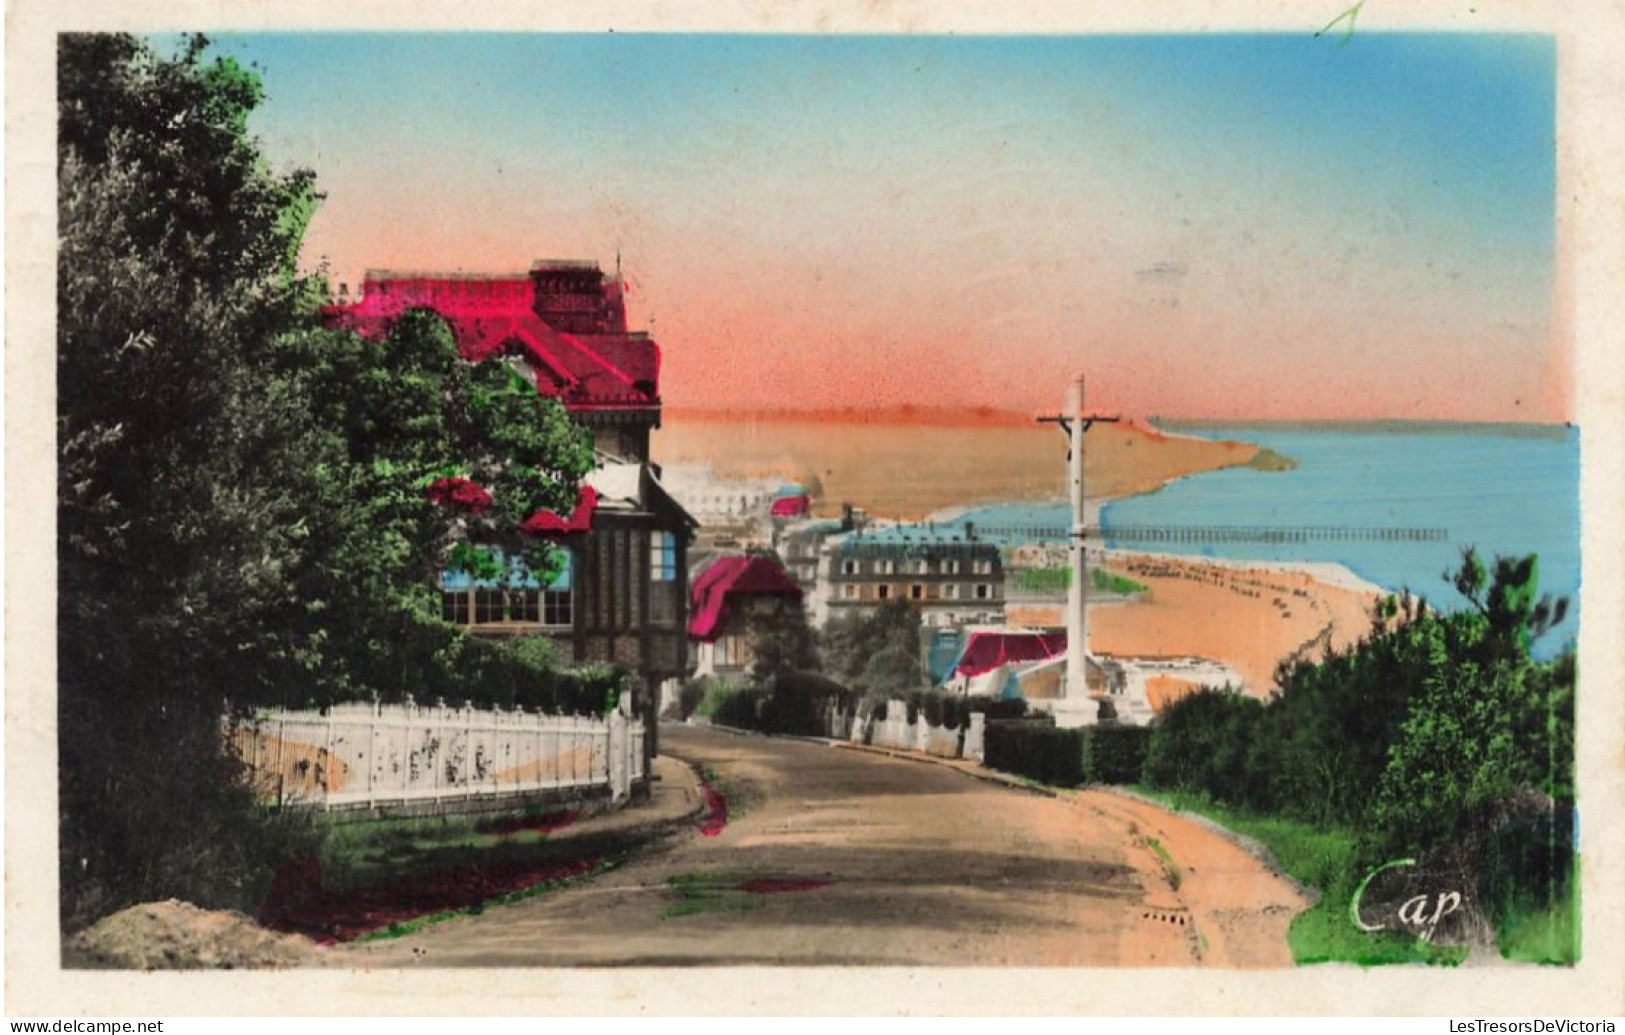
[(177, 935)]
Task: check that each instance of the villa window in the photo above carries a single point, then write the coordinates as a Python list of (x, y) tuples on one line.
[(883, 567), (849, 592), (950, 591), (984, 567), (883, 592), (849, 567), (662, 557), (916, 592), (950, 567), (454, 607), (984, 591)]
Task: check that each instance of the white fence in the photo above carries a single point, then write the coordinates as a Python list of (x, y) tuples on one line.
[(895, 731), (373, 754)]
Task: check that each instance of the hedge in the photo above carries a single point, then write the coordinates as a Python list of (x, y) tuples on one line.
[(1114, 754), (1066, 757), (1035, 749)]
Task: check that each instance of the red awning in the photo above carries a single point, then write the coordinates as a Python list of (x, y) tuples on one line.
[(545, 522), (986, 651), (790, 506)]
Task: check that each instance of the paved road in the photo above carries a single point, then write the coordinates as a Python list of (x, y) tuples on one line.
[(832, 856)]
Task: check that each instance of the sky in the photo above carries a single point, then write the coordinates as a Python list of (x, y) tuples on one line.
[(1218, 226)]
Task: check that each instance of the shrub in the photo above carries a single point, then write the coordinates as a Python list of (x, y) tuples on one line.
[(1035, 749), (797, 702), (689, 696), (713, 694), (1114, 754)]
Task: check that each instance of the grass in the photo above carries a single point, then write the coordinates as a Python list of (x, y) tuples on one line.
[(717, 892), (1056, 580), (1548, 936), (1175, 875), (359, 853), (1325, 859)]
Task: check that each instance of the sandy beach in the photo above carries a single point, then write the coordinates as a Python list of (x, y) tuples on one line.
[(1249, 616)]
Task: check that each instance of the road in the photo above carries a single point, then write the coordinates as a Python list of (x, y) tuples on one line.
[(841, 857)]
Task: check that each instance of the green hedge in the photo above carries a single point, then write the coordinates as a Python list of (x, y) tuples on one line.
[(794, 703), (1035, 749), (1114, 754), (1066, 758)]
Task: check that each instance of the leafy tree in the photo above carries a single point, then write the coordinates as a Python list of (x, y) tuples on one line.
[(180, 497), (783, 642), (878, 652), (246, 503)]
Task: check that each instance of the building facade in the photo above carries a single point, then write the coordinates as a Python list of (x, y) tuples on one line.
[(950, 581), (622, 598)]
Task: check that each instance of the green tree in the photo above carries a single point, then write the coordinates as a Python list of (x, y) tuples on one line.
[(783, 642), (243, 498), (178, 523), (878, 652)]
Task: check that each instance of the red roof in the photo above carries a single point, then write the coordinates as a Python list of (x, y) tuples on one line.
[(719, 585), (574, 338), (986, 651)]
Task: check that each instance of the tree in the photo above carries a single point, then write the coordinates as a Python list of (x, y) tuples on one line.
[(782, 642), (248, 505), (180, 459), (853, 645)]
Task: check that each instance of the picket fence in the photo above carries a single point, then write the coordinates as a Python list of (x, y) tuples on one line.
[(378, 755)]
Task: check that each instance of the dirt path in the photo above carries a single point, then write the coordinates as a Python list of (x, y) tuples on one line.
[(844, 857)]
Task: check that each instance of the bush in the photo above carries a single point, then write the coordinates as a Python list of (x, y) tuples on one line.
[(797, 702), (521, 674), (1114, 754), (1037, 750), (690, 695), (740, 707), (714, 693)]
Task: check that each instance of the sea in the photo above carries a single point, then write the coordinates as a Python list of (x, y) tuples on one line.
[(1507, 490)]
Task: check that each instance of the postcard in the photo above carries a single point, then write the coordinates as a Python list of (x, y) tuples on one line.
[(902, 510)]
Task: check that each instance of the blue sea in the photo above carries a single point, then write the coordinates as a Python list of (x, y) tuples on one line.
[(1510, 491)]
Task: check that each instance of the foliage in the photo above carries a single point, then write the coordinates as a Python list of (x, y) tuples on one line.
[(878, 653), (1437, 737), (1036, 750), (782, 641), (243, 498), (1114, 754), (794, 703)]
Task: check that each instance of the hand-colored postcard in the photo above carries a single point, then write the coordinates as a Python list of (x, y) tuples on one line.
[(822, 496)]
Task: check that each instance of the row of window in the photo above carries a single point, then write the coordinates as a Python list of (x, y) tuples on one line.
[(917, 591), (550, 607), (949, 566)]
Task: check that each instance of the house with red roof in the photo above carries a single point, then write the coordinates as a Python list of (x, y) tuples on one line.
[(732, 599), (622, 598)]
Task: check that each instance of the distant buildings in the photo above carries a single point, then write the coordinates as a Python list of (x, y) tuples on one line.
[(950, 579), (623, 597), (734, 513)]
